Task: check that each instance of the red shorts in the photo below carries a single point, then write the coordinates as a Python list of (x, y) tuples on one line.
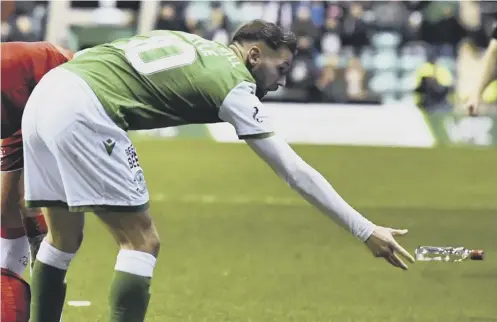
[(16, 297), (11, 155)]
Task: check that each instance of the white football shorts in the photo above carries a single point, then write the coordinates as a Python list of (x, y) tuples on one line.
[(75, 156)]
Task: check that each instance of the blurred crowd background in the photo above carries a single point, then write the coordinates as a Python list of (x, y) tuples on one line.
[(367, 52)]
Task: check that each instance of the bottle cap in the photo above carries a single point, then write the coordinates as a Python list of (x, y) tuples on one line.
[(477, 255)]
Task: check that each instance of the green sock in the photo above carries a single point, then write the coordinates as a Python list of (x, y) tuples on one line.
[(129, 296), (48, 292)]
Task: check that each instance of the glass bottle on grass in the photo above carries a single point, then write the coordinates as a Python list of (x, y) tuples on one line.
[(447, 254)]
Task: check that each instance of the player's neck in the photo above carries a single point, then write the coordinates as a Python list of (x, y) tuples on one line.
[(239, 51)]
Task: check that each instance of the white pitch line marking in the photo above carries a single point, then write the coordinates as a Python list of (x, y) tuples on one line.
[(79, 303)]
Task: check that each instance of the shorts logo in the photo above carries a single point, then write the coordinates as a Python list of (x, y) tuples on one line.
[(132, 157), (141, 185), (109, 145)]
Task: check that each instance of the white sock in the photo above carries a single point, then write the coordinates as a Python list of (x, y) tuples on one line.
[(135, 262), (14, 254), (52, 256)]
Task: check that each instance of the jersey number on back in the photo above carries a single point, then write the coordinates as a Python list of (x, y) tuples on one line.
[(159, 53)]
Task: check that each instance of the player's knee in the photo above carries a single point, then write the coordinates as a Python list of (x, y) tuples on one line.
[(65, 243), (10, 212), (144, 238), (22, 206), (148, 242), (25, 211), (153, 243), (133, 231)]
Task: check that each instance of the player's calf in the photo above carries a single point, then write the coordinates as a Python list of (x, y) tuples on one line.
[(139, 246)]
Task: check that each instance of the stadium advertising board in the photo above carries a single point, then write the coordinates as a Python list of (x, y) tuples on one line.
[(328, 124), (452, 129), (343, 125), (368, 125)]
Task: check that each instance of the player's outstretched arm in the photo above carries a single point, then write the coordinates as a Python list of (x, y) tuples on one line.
[(488, 65), (248, 115), (313, 187)]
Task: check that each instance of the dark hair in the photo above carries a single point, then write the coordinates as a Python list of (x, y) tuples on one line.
[(271, 34)]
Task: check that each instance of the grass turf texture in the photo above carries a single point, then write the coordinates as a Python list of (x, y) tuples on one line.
[(239, 245)]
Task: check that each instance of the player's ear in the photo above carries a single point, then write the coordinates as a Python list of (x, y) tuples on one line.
[(254, 55)]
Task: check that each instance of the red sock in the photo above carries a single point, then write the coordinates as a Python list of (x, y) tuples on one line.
[(15, 298), (35, 226), (12, 233)]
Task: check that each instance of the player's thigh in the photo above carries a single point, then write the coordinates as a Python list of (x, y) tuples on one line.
[(65, 228), (132, 230), (10, 197)]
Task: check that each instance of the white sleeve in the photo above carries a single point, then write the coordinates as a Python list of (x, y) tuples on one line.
[(310, 184), (246, 113)]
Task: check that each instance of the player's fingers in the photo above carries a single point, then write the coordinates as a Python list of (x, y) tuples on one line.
[(404, 253), (399, 232), (398, 262), (391, 261)]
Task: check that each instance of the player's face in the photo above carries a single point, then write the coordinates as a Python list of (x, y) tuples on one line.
[(269, 68)]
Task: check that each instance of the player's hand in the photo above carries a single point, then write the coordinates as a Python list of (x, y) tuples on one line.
[(472, 105), (383, 244)]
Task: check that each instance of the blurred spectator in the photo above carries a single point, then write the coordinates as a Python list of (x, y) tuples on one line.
[(330, 41), (433, 85), (471, 20), (171, 16), (412, 28), (19, 28), (271, 11), (22, 21), (196, 13), (302, 74), (390, 15), (356, 79), (390, 37), (317, 13), (250, 10), (286, 15), (331, 85), (7, 8), (354, 29), (440, 27), (217, 26), (307, 33)]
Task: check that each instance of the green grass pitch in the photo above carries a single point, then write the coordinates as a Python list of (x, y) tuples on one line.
[(238, 245)]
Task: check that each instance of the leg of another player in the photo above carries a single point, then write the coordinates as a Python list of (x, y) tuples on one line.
[(48, 289), (139, 246), (14, 243), (34, 223), (15, 251)]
